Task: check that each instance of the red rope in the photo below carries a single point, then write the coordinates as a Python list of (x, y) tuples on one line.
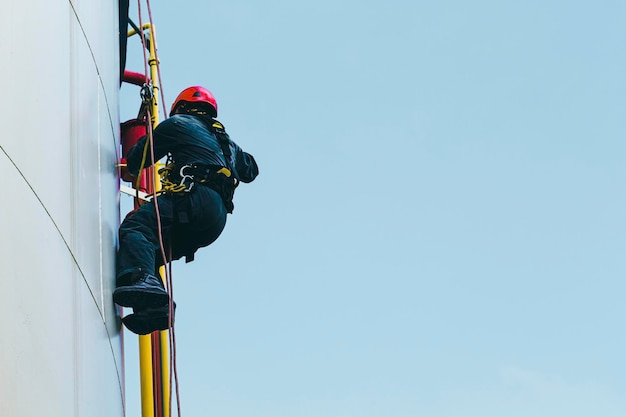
[(156, 56), (166, 260)]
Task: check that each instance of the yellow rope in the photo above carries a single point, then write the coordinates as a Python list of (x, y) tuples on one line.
[(168, 186), (142, 165)]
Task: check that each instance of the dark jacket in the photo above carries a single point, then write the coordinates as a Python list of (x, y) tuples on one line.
[(190, 139)]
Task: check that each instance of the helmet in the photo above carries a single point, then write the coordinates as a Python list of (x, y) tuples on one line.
[(195, 94)]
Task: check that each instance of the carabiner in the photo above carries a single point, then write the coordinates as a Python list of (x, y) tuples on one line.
[(184, 177)]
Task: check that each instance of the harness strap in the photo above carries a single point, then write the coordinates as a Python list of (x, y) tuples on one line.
[(175, 179)]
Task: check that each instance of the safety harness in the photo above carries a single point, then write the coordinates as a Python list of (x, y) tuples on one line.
[(183, 178)]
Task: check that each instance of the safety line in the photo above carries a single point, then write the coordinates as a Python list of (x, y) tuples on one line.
[(156, 376), (156, 56), (173, 358), (166, 261)]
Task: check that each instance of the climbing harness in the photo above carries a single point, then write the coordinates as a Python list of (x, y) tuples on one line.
[(176, 179), (183, 178)]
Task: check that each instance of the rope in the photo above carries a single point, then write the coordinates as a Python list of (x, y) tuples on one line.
[(168, 186), (156, 56), (166, 260)]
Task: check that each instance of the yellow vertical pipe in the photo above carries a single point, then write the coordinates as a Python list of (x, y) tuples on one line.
[(147, 377), (154, 75), (145, 374), (145, 355), (165, 372), (145, 342), (163, 335)]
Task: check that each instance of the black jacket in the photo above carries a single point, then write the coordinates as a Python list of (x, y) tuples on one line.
[(190, 139)]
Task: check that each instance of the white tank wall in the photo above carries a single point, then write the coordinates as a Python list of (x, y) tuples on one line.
[(61, 348)]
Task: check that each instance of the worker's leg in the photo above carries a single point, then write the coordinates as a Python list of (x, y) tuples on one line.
[(139, 237), (189, 221), (207, 218), (210, 219), (139, 240)]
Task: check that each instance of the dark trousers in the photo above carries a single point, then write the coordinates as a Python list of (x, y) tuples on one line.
[(188, 221)]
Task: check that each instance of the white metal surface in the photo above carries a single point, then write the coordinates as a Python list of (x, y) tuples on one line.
[(60, 343)]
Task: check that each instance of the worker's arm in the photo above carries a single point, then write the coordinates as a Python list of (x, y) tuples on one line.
[(245, 165), (164, 139), (241, 162)]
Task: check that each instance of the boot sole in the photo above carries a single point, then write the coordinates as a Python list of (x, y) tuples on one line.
[(142, 324), (140, 299)]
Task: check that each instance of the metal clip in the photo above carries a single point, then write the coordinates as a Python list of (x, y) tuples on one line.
[(146, 93), (184, 177)]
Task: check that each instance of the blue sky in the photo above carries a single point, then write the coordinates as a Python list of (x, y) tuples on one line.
[(438, 227)]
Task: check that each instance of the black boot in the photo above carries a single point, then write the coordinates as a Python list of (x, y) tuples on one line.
[(145, 291), (148, 320)]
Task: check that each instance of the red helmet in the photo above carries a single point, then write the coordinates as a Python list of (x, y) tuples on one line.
[(195, 94)]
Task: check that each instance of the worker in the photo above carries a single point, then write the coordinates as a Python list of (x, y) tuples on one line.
[(204, 168)]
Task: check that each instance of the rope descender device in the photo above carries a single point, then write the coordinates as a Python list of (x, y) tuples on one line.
[(147, 93)]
